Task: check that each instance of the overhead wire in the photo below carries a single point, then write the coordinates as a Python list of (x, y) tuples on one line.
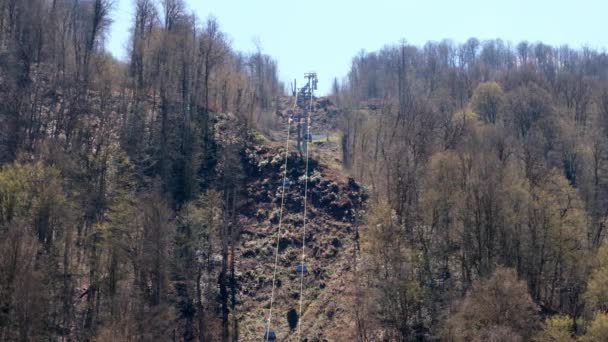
[(302, 266), (279, 229)]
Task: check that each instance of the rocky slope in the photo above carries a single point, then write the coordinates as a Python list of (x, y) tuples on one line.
[(335, 203)]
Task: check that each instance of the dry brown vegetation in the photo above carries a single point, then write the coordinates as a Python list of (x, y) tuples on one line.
[(139, 200)]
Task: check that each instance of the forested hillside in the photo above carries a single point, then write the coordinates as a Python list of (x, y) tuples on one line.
[(488, 172), (455, 192), (117, 191)]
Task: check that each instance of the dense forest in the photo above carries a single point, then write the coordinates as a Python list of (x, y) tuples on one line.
[(114, 192), (487, 165), (466, 198)]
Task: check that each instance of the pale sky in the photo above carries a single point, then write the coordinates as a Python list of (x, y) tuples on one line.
[(324, 35)]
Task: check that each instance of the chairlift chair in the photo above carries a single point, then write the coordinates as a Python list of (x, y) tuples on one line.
[(301, 269), (270, 335)]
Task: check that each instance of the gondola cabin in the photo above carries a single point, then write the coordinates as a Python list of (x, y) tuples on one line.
[(301, 269), (270, 336)]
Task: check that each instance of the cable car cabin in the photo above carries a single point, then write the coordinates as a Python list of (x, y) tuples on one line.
[(287, 182), (301, 269), (270, 336), (307, 135)]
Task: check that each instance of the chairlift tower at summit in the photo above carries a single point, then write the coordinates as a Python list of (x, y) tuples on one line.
[(305, 93)]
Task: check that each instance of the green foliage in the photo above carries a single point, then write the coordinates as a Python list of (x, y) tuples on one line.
[(499, 307), (597, 289), (395, 294), (33, 215), (557, 328), (529, 104), (488, 101), (597, 329), (31, 195)]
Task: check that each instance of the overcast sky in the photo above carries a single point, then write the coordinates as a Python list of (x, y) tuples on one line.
[(324, 35)]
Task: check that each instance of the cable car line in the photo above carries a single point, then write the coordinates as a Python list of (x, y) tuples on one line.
[(269, 334), (276, 251), (305, 221)]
